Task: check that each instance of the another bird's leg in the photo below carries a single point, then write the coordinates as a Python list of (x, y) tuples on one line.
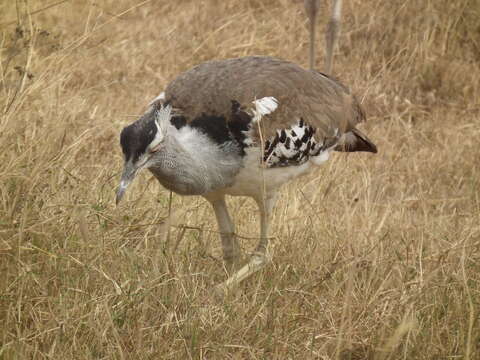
[(231, 248), (262, 254), (311, 8), (331, 35)]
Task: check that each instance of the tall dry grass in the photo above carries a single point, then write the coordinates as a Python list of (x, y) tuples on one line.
[(376, 257)]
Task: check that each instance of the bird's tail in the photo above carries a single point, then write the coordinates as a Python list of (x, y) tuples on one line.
[(355, 140), (331, 35)]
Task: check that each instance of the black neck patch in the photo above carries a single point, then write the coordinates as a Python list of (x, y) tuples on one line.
[(220, 130), (213, 126), (178, 121), (239, 124)]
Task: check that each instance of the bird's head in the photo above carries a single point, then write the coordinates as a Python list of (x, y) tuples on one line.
[(141, 142)]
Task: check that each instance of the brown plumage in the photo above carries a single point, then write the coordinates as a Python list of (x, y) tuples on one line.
[(318, 99)]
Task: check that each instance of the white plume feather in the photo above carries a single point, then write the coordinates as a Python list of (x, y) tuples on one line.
[(264, 106), (162, 119), (160, 97)]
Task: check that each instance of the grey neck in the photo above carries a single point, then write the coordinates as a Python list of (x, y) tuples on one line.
[(192, 164)]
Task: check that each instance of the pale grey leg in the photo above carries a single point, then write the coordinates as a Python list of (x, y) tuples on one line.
[(331, 35), (265, 208), (231, 248), (262, 254)]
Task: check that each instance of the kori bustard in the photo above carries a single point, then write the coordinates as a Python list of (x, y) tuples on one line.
[(244, 127)]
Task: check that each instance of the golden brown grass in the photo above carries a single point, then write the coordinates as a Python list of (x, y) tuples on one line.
[(376, 256)]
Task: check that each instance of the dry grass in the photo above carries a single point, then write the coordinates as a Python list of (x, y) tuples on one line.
[(376, 257)]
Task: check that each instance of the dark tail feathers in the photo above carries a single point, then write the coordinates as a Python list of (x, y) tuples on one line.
[(355, 140)]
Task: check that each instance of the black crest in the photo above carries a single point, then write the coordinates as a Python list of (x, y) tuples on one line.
[(135, 138)]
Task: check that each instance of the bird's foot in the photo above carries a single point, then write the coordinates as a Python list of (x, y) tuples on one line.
[(257, 262), (232, 264)]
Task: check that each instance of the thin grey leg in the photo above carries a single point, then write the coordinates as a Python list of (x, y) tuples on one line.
[(331, 35), (231, 248), (263, 253), (265, 207)]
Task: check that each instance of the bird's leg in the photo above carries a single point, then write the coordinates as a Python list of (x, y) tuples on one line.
[(311, 8), (231, 248), (262, 254), (331, 35)]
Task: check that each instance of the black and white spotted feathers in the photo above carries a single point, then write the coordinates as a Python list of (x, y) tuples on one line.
[(289, 147), (292, 146)]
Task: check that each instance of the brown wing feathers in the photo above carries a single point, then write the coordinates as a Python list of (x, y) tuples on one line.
[(321, 101)]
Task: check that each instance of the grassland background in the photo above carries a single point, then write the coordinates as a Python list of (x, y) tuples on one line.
[(376, 256)]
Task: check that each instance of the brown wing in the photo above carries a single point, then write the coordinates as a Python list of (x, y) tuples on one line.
[(320, 101)]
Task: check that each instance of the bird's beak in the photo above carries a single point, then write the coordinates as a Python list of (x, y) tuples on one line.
[(129, 172)]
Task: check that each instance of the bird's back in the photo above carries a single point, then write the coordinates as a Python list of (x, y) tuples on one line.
[(319, 100)]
